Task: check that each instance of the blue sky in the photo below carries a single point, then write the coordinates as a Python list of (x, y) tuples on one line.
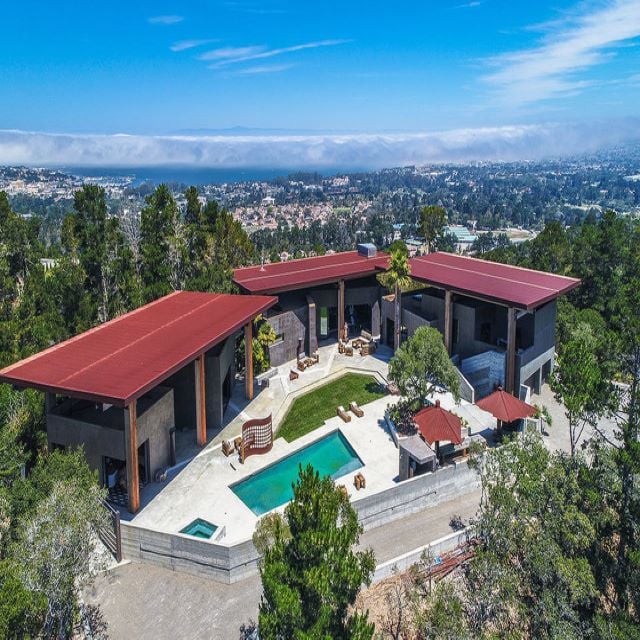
[(170, 68)]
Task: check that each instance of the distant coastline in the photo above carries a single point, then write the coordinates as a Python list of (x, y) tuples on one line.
[(193, 175)]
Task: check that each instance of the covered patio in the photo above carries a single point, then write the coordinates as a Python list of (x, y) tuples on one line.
[(116, 389)]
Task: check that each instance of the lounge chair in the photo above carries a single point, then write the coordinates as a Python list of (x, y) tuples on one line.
[(227, 448), (359, 481), (343, 414), (356, 410)]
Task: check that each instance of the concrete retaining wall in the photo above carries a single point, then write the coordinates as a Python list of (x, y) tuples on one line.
[(178, 552), (229, 564), (416, 494)]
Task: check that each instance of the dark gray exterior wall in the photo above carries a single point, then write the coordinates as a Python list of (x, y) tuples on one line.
[(296, 316), (101, 433), (292, 326), (218, 361)]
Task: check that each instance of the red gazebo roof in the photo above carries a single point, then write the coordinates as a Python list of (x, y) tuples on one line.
[(505, 407), (436, 424)]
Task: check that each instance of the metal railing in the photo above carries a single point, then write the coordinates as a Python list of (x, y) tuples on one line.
[(110, 533)]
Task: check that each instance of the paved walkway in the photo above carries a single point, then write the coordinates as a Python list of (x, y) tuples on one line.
[(557, 435), (147, 602)]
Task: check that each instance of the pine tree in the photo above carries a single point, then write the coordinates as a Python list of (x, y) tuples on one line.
[(311, 579)]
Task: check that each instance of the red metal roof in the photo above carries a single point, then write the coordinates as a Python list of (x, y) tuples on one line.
[(505, 407), (506, 284), (438, 425), (307, 272), (121, 360)]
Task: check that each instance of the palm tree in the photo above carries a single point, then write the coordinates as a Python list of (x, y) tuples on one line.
[(397, 277)]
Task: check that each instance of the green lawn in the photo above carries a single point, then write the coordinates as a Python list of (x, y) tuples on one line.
[(310, 411)]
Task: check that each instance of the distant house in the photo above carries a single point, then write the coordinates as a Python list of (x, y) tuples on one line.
[(464, 237), (415, 246)]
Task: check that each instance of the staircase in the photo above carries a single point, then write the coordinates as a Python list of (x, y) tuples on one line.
[(484, 371)]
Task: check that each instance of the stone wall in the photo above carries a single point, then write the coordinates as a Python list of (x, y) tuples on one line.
[(292, 326)]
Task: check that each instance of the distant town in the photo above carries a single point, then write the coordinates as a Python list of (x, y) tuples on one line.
[(513, 200)]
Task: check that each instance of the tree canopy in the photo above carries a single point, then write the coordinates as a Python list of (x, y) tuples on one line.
[(422, 365), (311, 576)]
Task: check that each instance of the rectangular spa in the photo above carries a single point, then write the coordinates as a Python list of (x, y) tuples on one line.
[(267, 489)]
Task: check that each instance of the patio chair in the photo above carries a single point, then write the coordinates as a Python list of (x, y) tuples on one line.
[(340, 347), (227, 448), (356, 410), (366, 335), (359, 481), (316, 357), (348, 351), (237, 443), (293, 375), (343, 414)]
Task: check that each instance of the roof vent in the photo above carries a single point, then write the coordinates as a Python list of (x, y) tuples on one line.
[(367, 250)]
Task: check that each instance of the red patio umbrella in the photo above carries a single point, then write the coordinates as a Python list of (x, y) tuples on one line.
[(505, 407), (436, 424)]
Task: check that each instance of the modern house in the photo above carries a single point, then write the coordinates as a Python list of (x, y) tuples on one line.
[(316, 296), (498, 321), (122, 388)]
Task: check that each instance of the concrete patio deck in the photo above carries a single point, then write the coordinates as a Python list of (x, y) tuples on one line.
[(205, 475)]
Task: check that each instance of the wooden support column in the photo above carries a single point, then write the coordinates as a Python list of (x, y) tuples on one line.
[(340, 307), (201, 402), (248, 361), (448, 320), (510, 373), (131, 454)]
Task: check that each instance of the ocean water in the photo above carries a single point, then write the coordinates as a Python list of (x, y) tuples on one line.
[(192, 175)]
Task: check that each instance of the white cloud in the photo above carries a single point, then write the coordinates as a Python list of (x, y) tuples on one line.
[(165, 19), (183, 45), (556, 66), (263, 69), (469, 5), (230, 53), (246, 54), (522, 142)]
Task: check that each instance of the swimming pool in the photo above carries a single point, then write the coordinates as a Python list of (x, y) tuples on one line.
[(200, 528), (330, 456)]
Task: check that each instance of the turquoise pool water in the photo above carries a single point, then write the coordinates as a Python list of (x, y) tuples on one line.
[(200, 529), (330, 456)]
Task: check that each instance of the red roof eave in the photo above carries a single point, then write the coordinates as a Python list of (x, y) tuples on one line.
[(278, 277), (119, 361), (503, 284)]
